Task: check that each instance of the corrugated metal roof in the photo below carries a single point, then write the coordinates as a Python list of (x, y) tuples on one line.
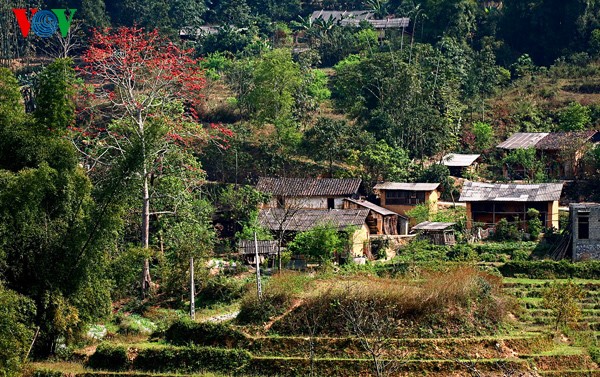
[(459, 160), (264, 247), (308, 186), (406, 186), (510, 192), (337, 15), (388, 23), (522, 140), (563, 140), (374, 207), (431, 225), (305, 219)]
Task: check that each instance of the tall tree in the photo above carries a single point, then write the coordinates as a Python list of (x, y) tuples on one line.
[(152, 90)]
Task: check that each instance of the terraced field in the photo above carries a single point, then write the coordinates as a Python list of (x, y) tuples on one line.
[(527, 349)]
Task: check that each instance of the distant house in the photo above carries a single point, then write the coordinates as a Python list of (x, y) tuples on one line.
[(488, 203), (302, 220), (458, 164), (585, 222), (381, 221), (338, 16), (402, 197), (562, 151), (309, 193), (437, 232), (267, 250)]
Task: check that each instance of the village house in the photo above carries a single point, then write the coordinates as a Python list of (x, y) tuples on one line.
[(381, 221), (438, 233), (402, 197), (279, 220), (308, 193), (562, 152), (459, 164), (585, 231), (488, 203)]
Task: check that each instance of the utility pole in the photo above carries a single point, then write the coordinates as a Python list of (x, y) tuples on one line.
[(192, 291), (258, 284)]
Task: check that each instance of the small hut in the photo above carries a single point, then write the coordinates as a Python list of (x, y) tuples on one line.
[(438, 233), (267, 250)]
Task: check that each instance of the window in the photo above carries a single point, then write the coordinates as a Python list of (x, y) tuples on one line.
[(583, 229), (404, 197)]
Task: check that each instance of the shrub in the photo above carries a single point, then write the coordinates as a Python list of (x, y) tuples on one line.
[(221, 289), (462, 253), (563, 299), (109, 357), (534, 224), (191, 359), (134, 324), (506, 231), (595, 354), (205, 334), (16, 316)]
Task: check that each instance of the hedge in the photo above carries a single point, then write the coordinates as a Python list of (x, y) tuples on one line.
[(547, 269), (191, 359), (109, 357), (204, 334)]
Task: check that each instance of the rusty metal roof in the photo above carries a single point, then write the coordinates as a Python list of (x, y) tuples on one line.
[(406, 186), (510, 192), (522, 140), (564, 140), (432, 226), (302, 220), (374, 207), (459, 160), (308, 186)]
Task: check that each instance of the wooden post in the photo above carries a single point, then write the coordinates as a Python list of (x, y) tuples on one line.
[(192, 291), (258, 284)]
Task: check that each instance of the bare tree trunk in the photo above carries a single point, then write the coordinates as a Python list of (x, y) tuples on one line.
[(192, 291), (146, 279)]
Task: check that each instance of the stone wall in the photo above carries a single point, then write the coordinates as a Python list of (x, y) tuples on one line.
[(584, 249)]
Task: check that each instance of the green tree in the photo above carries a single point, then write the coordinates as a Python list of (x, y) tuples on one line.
[(16, 330), (52, 232), (379, 161), (329, 140), (484, 135), (534, 224), (321, 242), (55, 95), (574, 117), (275, 79), (564, 300), (526, 158)]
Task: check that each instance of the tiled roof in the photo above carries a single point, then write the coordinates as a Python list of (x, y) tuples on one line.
[(459, 160), (510, 192), (522, 140), (560, 140), (302, 220), (430, 225), (374, 207), (406, 186), (308, 186)]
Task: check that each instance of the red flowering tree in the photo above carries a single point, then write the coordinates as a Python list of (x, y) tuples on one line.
[(143, 96)]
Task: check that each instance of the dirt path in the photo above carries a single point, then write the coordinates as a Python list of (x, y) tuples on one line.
[(297, 302)]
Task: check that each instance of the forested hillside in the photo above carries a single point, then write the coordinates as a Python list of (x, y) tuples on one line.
[(129, 148)]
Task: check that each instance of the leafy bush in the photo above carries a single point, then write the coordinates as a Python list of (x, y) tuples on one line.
[(595, 354), (320, 242), (16, 315), (191, 359), (220, 289), (564, 301), (204, 334), (548, 269), (534, 224), (109, 357), (506, 231)]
